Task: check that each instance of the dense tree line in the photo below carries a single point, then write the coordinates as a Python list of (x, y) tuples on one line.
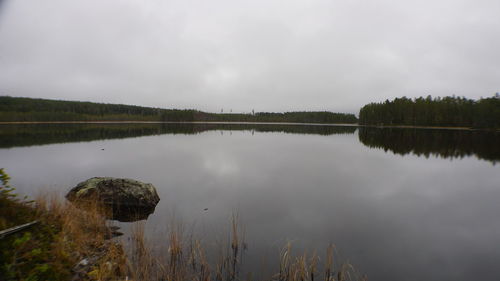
[(291, 117), (28, 109), (447, 111), (13, 109)]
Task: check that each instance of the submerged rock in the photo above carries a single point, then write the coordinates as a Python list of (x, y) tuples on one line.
[(124, 199)]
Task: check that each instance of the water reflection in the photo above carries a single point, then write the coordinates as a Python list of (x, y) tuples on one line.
[(426, 142), (420, 142), (394, 217), (14, 135)]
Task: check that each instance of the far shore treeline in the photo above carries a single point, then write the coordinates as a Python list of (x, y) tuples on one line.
[(445, 112), (14, 109), (441, 112)]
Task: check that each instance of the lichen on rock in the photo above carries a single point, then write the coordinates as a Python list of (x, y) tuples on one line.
[(128, 199)]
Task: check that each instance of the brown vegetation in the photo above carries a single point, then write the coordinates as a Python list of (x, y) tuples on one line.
[(74, 244), (186, 260)]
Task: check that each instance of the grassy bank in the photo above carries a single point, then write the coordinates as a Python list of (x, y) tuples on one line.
[(71, 244), (65, 244)]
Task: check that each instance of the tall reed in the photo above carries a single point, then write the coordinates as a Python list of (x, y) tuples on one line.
[(84, 234), (186, 259)]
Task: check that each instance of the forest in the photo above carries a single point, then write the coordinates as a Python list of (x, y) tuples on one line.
[(447, 112), (15, 109)]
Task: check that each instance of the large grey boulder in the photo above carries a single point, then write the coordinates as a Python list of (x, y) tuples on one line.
[(128, 199)]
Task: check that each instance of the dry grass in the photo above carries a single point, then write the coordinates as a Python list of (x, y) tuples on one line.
[(84, 235), (74, 243), (186, 260), (305, 267)]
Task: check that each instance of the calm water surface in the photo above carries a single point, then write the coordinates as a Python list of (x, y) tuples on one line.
[(399, 204)]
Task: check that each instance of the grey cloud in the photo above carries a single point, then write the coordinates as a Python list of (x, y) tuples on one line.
[(268, 55)]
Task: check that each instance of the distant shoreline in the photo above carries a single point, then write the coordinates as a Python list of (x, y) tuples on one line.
[(181, 122), (253, 123)]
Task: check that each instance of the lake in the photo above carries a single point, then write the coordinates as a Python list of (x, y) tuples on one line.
[(399, 204)]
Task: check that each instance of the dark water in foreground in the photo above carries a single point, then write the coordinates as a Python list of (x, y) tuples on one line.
[(400, 204)]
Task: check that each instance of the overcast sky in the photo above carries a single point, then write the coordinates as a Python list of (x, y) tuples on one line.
[(266, 55)]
